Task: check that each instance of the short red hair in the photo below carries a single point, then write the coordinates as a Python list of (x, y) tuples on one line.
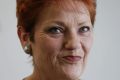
[(29, 10)]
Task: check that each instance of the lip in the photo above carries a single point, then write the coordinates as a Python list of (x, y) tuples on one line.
[(71, 59)]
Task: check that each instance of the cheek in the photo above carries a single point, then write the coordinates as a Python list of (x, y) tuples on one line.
[(46, 50), (48, 45), (87, 43)]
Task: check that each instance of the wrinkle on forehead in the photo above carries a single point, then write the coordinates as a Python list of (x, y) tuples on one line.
[(70, 6), (61, 7)]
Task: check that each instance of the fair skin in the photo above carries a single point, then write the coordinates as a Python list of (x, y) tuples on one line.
[(62, 41)]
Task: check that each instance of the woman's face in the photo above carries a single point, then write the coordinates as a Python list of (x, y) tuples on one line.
[(62, 41)]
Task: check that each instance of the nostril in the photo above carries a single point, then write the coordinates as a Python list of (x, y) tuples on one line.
[(72, 41), (70, 49)]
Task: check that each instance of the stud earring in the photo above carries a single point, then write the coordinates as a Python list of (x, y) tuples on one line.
[(27, 49)]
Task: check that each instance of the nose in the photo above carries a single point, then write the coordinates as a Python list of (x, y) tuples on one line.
[(72, 42)]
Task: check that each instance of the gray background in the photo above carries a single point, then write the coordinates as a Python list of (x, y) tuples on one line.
[(103, 62)]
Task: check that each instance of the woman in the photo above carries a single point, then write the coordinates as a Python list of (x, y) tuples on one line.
[(58, 34)]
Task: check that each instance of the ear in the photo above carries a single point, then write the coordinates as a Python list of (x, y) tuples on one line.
[(23, 36)]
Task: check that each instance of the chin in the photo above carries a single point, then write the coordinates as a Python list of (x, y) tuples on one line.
[(73, 72)]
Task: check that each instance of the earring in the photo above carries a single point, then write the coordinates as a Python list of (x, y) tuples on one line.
[(27, 49)]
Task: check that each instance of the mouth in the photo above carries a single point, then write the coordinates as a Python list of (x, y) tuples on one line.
[(71, 59)]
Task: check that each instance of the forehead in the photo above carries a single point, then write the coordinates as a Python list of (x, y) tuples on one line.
[(65, 8), (70, 5), (67, 5)]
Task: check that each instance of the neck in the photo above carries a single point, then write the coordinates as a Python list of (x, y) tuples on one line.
[(38, 76)]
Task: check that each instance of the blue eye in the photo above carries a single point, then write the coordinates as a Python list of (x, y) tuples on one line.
[(84, 29), (55, 30)]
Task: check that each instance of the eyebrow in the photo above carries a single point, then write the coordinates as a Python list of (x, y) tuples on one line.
[(63, 24), (59, 23), (81, 23)]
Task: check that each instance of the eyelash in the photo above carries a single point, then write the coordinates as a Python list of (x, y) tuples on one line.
[(55, 30), (84, 29)]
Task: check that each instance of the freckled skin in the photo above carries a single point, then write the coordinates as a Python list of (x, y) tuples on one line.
[(48, 47)]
